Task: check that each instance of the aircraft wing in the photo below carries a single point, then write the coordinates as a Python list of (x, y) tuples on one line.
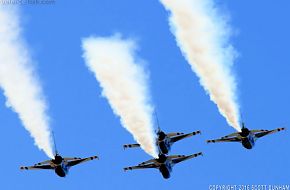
[(233, 139), (71, 158), (35, 167), (174, 134), (262, 133), (236, 134), (131, 146), (183, 158), (182, 136), (258, 130), (151, 161), (146, 166), (80, 160), (44, 162)]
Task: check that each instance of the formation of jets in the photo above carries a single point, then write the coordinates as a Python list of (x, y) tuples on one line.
[(164, 141), (164, 163)]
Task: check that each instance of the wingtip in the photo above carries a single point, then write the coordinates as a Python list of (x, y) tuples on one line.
[(281, 129), (196, 132), (23, 168), (211, 141), (199, 154), (127, 168), (94, 157)]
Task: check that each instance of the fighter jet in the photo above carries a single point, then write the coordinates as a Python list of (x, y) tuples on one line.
[(59, 164), (247, 137), (165, 141), (163, 163)]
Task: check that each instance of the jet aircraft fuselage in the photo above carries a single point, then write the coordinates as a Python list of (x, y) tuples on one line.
[(248, 138), (165, 167), (61, 167)]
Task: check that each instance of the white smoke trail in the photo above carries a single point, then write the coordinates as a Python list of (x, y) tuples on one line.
[(19, 83), (203, 37), (124, 82)]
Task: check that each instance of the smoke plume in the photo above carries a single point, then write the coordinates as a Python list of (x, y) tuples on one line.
[(124, 82), (203, 37), (19, 82)]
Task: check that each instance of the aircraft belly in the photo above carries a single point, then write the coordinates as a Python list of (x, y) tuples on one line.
[(163, 147), (247, 144), (164, 171), (60, 171)]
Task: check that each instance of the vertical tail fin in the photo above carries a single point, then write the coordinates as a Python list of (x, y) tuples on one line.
[(242, 121), (55, 148), (157, 121)]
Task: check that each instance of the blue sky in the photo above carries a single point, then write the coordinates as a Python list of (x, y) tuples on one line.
[(83, 121)]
